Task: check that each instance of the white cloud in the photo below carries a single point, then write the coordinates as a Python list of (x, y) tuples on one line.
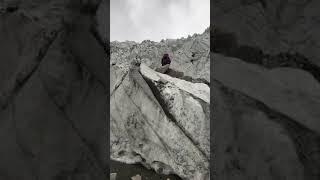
[(139, 20)]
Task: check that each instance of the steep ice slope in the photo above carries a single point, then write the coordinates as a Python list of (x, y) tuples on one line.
[(266, 121), (52, 94), (171, 115), (293, 92), (158, 121)]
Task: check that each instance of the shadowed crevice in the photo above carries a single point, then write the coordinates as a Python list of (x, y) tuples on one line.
[(180, 75), (227, 44)]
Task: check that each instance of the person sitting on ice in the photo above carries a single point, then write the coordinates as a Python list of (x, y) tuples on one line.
[(165, 62)]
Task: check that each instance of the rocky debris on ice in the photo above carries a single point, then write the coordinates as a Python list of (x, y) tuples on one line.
[(189, 55)]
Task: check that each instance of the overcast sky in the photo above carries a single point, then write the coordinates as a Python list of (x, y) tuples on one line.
[(138, 20)]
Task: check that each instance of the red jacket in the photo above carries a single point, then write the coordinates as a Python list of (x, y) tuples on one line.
[(165, 59)]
